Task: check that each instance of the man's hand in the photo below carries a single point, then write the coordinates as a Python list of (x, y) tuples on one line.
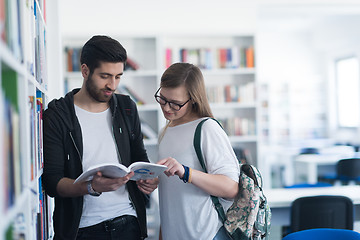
[(104, 184), (148, 186)]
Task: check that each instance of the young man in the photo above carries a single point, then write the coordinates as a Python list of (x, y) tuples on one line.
[(89, 126)]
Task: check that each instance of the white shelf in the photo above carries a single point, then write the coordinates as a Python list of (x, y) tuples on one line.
[(9, 59), (231, 71), (232, 105)]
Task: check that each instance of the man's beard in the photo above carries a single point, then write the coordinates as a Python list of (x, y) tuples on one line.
[(95, 93)]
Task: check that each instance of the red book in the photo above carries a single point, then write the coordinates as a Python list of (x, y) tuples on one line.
[(132, 64), (168, 57), (222, 57), (2, 20)]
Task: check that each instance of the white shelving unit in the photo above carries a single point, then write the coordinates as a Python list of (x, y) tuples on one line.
[(26, 210), (237, 76), (228, 66)]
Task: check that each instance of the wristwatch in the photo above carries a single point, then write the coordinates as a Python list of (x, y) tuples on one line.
[(91, 191)]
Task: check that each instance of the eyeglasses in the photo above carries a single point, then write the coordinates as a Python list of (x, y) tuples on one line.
[(174, 106)]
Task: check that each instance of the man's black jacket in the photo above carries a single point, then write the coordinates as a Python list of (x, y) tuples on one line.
[(63, 150)]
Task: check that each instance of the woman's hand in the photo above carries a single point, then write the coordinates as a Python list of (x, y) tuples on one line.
[(174, 167)]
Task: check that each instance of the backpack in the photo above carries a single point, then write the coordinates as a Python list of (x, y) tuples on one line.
[(249, 216)]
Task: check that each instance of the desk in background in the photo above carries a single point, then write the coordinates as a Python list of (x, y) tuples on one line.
[(313, 161), (280, 200), (327, 156)]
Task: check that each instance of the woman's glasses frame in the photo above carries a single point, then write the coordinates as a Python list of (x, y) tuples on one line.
[(162, 101)]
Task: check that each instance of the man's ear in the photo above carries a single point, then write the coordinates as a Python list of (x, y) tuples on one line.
[(85, 71)]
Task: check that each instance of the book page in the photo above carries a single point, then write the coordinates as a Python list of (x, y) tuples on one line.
[(109, 170), (145, 170)]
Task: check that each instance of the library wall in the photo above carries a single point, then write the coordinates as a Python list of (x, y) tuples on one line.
[(289, 66), (157, 18)]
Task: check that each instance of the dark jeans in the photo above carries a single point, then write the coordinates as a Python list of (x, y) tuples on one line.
[(121, 228)]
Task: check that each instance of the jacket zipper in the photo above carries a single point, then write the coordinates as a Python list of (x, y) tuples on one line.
[(72, 139), (118, 153), (77, 150)]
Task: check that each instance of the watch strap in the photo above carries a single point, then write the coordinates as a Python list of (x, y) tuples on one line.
[(91, 191)]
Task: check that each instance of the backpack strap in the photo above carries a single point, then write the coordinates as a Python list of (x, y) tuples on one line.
[(197, 146)]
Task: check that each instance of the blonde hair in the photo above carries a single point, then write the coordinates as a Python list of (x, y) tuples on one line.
[(190, 76)]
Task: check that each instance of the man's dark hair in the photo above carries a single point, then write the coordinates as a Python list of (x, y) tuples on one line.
[(102, 49)]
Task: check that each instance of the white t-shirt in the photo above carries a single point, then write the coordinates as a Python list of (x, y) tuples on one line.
[(99, 147), (186, 211)]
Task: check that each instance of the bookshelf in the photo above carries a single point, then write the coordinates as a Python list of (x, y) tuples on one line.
[(26, 210), (289, 118), (228, 65), (229, 69)]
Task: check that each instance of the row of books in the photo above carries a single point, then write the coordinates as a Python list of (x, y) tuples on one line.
[(27, 43), (43, 214), (11, 160), (11, 151), (238, 126), (36, 132), (41, 220), (73, 55), (232, 93), (212, 58)]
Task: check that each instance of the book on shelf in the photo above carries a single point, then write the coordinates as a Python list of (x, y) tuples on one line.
[(69, 53), (249, 57), (17, 228), (183, 55), (73, 58), (8, 155), (13, 28), (29, 37), (168, 57), (142, 170), (193, 56), (39, 110), (2, 20), (131, 64), (11, 133), (123, 89), (32, 123)]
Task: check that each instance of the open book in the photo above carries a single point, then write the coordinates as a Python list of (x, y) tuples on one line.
[(143, 170)]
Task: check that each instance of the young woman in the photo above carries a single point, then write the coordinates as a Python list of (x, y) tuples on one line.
[(186, 209)]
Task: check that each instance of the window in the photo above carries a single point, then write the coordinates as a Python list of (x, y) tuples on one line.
[(348, 91)]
